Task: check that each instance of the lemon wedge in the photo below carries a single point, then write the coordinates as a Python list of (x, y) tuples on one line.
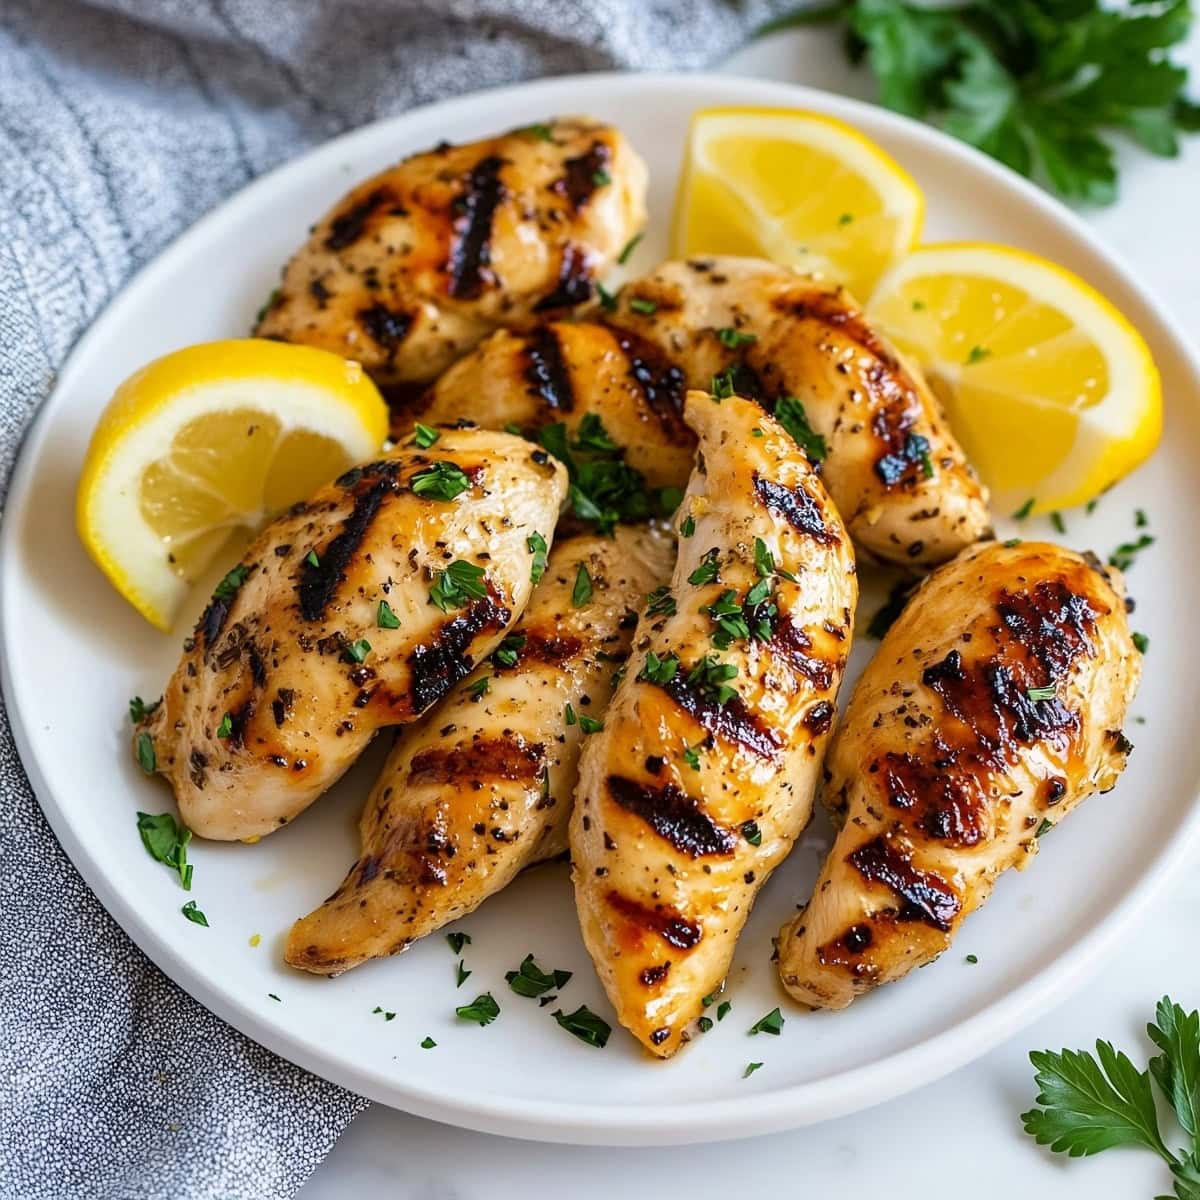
[(208, 440), (799, 188), (1053, 394)]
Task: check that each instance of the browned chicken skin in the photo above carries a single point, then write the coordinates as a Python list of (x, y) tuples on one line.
[(565, 372), (483, 786), (296, 664), (417, 265), (893, 468), (692, 794), (994, 703)]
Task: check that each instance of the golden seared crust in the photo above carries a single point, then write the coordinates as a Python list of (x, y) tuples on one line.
[(994, 703), (692, 795), (566, 372), (895, 471), (483, 787), (417, 265), (276, 696)]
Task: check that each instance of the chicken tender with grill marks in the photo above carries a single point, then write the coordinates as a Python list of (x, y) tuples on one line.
[(484, 785), (995, 704), (358, 609), (704, 773), (575, 373), (417, 265), (891, 464)]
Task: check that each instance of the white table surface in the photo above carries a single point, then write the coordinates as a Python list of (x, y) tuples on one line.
[(960, 1136)]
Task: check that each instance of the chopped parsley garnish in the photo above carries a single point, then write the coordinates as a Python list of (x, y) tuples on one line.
[(691, 755), (569, 714), (1141, 642), (1044, 827), (688, 527), (460, 583), (630, 247), (750, 1069), (733, 338), (461, 974), (229, 586), (771, 1023), (916, 449), (166, 841), (536, 545), (581, 593), (312, 559), (225, 729), (721, 387), (531, 981), (272, 996), (1024, 510), (891, 608), (585, 1025), (977, 354), (707, 1001), (704, 1024), (508, 653), (789, 412), (1042, 693), (709, 675), (385, 618), (736, 620), (660, 602), (589, 724), (458, 940), (723, 1009), (752, 833), (1124, 555), (972, 959), (478, 689), (709, 569), (601, 178), (146, 758), (541, 132), (591, 435), (442, 481), (1140, 519), (845, 218), (424, 436), (513, 428), (659, 670), (483, 1010), (357, 651), (1091, 506), (1056, 519), (640, 305), (1009, 543), (139, 710), (194, 914), (608, 300), (427, 1043)]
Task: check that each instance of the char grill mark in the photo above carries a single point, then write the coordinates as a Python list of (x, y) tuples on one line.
[(833, 310), (470, 256), (748, 384), (212, 620), (732, 721), (281, 706), (674, 815), (437, 668), (671, 926), (346, 228), (661, 383), (574, 284), (580, 175), (937, 795), (480, 762), (318, 584), (387, 327), (792, 643), (547, 374), (923, 896), (847, 951), (796, 507), (239, 718), (1053, 624), (819, 718), (553, 650)]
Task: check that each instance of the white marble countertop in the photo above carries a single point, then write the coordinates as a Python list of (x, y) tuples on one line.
[(958, 1136)]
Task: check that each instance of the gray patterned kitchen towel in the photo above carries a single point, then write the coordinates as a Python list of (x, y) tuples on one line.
[(121, 122)]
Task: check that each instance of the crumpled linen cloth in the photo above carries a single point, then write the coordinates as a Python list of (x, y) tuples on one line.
[(121, 122)]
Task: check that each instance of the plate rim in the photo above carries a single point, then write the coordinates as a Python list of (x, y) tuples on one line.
[(611, 1124)]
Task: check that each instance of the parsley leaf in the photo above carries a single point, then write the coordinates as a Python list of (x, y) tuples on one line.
[(630, 247), (166, 841), (1177, 1069), (660, 602), (424, 436), (442, 481), (640, 304), (427, 1043), (789, 412), (508, 653), (146, 757), (585, 1025), (229, 586), (458, 941), (536, 545), (357, 651), (733, 338), (461, 974), (709, 569), (483, 1010), (458, 584), (589, 724), (659, 670), (385, 618), (193, 914), (750, 1069), (139, 710), (1124, 556), (581, 593), (771, 1023), (531, 981)]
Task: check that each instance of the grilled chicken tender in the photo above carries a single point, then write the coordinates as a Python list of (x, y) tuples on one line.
[(995, 703), (704, 773), (417, 265), (566, 372), (898, 477), (295, 663), (483, 786)]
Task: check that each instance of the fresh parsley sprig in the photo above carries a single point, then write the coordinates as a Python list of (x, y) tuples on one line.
[(1089, 1103), (1038, 84)]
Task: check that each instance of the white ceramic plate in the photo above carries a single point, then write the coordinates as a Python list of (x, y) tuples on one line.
[(73, 652)]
